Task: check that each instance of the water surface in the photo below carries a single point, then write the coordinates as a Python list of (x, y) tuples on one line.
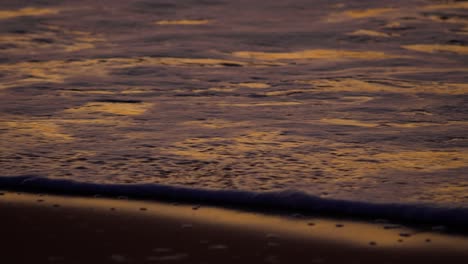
[(354, 100)]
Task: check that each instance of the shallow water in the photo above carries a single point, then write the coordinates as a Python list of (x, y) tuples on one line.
[(357, 100)]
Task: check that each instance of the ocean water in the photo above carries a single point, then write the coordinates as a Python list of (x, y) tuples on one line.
[(307, 103)]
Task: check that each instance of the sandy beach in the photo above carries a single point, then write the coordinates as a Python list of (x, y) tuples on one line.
[(61, 229)]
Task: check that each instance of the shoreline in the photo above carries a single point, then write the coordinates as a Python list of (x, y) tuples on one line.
[(282, 202), (66, 229)]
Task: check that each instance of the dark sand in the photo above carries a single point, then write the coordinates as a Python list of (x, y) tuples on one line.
[(54, 229)]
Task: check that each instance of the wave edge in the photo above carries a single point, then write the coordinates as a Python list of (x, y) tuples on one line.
[(288, 200)]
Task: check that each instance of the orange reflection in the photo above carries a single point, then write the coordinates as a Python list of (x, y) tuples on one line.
[(434, 48), (217, 123), (390, 86), (36, 129), (368, 12), (53, 38), (314, 54), (372, 33), (254, 85), (449, 5), (57, 71), (183, 22), (112, 108), (29, 11)]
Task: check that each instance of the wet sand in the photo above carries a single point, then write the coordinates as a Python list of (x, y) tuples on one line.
[(57, 229)]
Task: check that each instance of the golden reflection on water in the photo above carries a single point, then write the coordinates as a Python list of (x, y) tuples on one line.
[(372, 33), (449, 20), (183, 22), (286, 92), (108, 121), (448, 5), (217, 123), (358, 123), (463, 31), (81, 46), (345, 162), (368, 12), (453, 193), (434, 48), (134, 91), (89, 91), (339, 17), (112, 108), (347, 122), (231, 147), (256, 104), (212, 89), (322, 54), (426, 161), (254, 85), (191, 61), (29, 11), (51, 37), (42, 129), (57, 71), (393, 86)]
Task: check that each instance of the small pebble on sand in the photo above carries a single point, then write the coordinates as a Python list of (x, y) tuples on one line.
[(174, 257), (272, 236), (381, 221), (118, 258), (219, 246), (297, 215), (272, 259), (439, 228), (162, 250), (272, 244), (55, 259), (391, 226), (317, 260)]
